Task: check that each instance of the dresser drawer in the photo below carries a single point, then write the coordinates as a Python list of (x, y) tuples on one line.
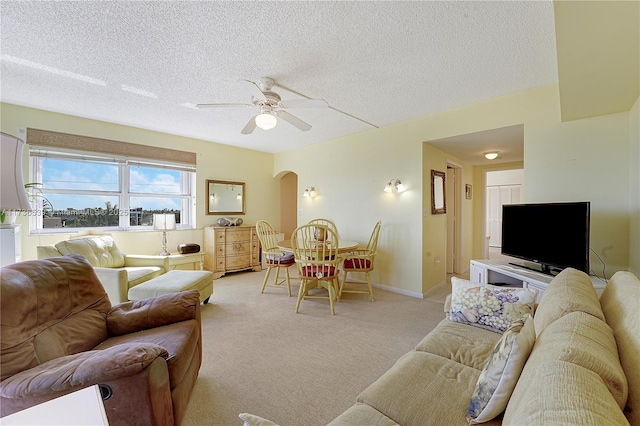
[(237, 249), (237, 235), (237, 262)]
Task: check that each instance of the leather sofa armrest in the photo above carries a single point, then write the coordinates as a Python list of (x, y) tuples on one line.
[(115, 282), (146, 260), (137, 315), (82, 369)]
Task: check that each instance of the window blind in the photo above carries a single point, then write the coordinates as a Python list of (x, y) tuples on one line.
[(44, 141)]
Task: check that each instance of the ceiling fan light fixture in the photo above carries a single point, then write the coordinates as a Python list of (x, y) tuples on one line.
[(266, 121), (492, 155)]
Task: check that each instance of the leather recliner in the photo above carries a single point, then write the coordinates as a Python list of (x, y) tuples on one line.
[(117, 271), (59, 333)]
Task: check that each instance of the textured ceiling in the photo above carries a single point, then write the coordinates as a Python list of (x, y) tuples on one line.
[(145, 64)]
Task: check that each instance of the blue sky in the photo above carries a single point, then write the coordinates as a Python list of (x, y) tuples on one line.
[(73, 175)]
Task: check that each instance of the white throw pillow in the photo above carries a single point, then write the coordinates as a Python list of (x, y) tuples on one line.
[(501, 372), (488, 306), (251, 420)]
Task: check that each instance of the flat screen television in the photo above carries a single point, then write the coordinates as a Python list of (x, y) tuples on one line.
[(553, 235)]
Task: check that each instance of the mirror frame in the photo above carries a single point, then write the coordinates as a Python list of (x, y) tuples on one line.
[(438, 192), (209, 185)]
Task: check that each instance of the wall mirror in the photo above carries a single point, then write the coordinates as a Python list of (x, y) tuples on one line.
[(224, 197), (438, 201)]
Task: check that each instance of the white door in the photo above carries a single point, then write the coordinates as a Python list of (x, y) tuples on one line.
[(451, 199), (497, 196)]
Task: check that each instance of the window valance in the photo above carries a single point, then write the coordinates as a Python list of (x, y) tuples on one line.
[(66, 141)]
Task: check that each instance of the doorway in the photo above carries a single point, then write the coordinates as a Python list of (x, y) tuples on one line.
[(502, 187), (453, 204), (288, 203)]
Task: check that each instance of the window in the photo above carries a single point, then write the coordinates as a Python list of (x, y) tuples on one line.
[(89, 190)]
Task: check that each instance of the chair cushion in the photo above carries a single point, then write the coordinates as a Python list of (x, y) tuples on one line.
[(461, 343), (315, 270), (98, 250), (357, 263), (278, 259)]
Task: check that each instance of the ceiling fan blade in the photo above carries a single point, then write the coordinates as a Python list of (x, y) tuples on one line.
[(304, 103), (293, 120), (222, 105), (255, 90), (250, 127)]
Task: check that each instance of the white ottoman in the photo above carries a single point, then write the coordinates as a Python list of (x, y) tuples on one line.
[(174, 282)]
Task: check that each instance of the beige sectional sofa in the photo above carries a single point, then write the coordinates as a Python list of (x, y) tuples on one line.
[(583, 369)]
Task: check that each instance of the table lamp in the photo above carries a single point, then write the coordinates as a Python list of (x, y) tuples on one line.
[(164, 222)]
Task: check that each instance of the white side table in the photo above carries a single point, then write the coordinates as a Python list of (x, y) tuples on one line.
[(196, 259), (11, 243)]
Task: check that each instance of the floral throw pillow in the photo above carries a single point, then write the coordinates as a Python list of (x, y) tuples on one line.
[(488, 306), (501, 372)]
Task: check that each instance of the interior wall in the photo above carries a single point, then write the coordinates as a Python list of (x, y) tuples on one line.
[(214, 161), (350, 175), (288, 203), (588, 160), (634, 188), (564, 161)]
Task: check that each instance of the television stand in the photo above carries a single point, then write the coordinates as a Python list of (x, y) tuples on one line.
[(544, 269), (504, 273)]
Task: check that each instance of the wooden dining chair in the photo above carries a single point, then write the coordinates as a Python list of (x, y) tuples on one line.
[(360, 260), (323, 222), (273, 256), (317, 263)]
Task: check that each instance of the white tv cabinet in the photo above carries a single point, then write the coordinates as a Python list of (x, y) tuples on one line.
[(501, 272)]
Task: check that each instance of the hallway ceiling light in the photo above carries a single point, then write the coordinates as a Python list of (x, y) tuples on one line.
[(492, 155)]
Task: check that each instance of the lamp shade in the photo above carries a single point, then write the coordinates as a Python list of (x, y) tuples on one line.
[(12, 193), (164, 222), (266, 121)]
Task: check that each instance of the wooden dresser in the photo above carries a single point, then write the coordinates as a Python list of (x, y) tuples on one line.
[(231, 248)]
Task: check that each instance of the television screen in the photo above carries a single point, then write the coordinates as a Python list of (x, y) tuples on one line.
[(554, 235)]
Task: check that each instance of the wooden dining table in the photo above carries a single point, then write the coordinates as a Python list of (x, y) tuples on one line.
[(344, 246)]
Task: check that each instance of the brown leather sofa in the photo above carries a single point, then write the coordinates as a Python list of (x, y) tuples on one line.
[(59, 333)]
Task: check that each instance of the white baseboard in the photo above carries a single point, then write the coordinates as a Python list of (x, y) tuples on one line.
[(399, 291)]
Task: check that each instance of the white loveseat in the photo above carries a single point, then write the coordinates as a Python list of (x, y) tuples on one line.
[(117, 271)]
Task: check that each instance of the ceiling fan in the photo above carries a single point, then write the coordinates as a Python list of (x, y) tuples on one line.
[(271, 106)]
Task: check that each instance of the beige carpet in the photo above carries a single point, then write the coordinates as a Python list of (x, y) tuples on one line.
[(297, 369)]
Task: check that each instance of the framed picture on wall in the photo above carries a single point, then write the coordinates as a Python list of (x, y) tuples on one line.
[(467, 191)]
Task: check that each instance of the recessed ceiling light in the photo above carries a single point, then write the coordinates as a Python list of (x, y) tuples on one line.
[(492, 155)]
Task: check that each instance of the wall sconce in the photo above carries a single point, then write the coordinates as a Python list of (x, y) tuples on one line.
[(492, 155), (394, 185), (164, 222), (239, 197), (310, 191)]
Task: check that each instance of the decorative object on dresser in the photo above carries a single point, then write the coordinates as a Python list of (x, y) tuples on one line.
[(231, 249), (229, 221)]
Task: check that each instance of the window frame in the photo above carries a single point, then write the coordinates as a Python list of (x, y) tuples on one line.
[(187, 194)]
